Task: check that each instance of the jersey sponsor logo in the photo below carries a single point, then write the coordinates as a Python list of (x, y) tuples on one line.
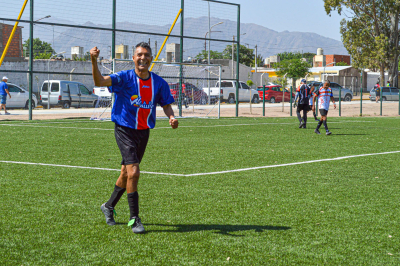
[(146, 87), (137, 102)]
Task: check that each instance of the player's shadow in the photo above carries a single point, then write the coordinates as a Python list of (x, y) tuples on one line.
[(334, 134), (217, 228)]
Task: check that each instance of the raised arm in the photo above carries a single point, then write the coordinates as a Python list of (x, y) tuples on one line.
[(98, 79), (170, 114)]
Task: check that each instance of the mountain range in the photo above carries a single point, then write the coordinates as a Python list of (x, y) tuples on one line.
[(269, 42)]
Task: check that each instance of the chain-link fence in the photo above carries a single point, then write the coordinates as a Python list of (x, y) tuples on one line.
[(51, 47)]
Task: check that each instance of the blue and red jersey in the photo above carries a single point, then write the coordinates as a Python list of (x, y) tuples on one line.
[(136, 99)]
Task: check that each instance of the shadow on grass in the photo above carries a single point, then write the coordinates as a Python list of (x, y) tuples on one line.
[(334, 134), (219, 229)]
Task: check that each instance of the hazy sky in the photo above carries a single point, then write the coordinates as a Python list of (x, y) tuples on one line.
[(291, 15), (278, 15)]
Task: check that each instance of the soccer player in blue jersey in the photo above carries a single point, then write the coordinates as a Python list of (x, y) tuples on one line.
[(137, 93), (324, 95)]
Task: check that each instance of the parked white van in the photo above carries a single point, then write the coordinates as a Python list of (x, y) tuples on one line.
[(67, 94)]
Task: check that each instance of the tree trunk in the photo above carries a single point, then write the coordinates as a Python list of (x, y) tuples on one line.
[(393, 58), (382, 75)]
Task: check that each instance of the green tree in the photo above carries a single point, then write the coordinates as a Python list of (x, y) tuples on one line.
[(294, 68), (341, 64), (296, 55), (41, 49), (246, 55), (371, 33), (213, 55)]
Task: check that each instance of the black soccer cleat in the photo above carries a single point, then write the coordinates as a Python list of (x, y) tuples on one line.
[(328, 132), (317, 131), (109, 213), (136, 224), (301, 124)]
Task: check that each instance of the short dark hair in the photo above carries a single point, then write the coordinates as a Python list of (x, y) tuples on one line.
[(327, 81), (144, 45)]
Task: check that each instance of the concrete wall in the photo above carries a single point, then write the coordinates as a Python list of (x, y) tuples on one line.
[(21, 79)]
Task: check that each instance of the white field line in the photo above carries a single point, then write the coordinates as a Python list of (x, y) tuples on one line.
[(230, 125), (211, 173)]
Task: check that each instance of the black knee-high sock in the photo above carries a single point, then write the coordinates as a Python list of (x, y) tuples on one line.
[(315, 115), (298, 116), (319, 125), (115, 196), (325, 125), (133, 201), (305, 116)]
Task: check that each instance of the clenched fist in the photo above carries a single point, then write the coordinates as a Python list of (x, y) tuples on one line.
[(173, 122), (94, 52)]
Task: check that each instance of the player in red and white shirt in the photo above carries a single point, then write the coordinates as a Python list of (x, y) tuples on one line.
[(324, 95)]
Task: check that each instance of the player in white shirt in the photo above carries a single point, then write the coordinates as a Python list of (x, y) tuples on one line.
[(324, 95)]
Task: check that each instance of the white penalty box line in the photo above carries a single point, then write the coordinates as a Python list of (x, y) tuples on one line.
[(209, 173)]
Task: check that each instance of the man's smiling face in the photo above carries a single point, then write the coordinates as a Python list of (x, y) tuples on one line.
[(142, 59)]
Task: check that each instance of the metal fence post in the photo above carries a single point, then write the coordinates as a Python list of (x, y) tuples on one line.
[(31, 59), (381, 101), (237, 62), (361, 102), (291, 99), (264, 100), (361, 93), (340, 101), (180, 60), (316, 106)]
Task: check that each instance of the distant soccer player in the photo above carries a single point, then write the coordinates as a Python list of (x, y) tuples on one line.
[(311, 103), (377, 88), (137, 93), (324, 95), (302, 95)]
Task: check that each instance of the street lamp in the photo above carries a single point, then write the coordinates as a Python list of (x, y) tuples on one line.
[(233, 48), (48, 79), (326, 66), (43, 18), (209, 49), (48, 16)]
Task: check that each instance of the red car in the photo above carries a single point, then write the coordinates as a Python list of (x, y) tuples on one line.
[(189, 93), (273, 94)]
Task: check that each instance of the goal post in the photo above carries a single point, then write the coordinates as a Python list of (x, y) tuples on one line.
[(197, 96)]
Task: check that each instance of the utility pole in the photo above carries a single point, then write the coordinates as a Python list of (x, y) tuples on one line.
[(155, 48), (149, 41), (255, 70), (233, 43)]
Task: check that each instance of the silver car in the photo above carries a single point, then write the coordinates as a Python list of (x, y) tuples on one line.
[(346, 94), (19, 97), (387, 94)]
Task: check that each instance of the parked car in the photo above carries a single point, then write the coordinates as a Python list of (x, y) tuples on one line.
[(387, 94), (273, 94), (228, 92), (19, 97), (189, 93), (66, 94), (104, 95), (347, 95)]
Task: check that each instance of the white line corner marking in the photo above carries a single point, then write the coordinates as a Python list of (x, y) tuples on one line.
[(210, 173)]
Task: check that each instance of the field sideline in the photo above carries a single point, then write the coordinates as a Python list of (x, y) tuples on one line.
[(255, 191)]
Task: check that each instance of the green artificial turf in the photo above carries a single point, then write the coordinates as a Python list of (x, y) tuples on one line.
[(341, 212)]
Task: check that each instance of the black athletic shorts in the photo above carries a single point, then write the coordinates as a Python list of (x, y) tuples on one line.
[(378, 94), (323, 112), (132, 143), (310, 107), (301, 107)]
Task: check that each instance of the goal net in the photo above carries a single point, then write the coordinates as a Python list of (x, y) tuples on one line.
[(197, 97)]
